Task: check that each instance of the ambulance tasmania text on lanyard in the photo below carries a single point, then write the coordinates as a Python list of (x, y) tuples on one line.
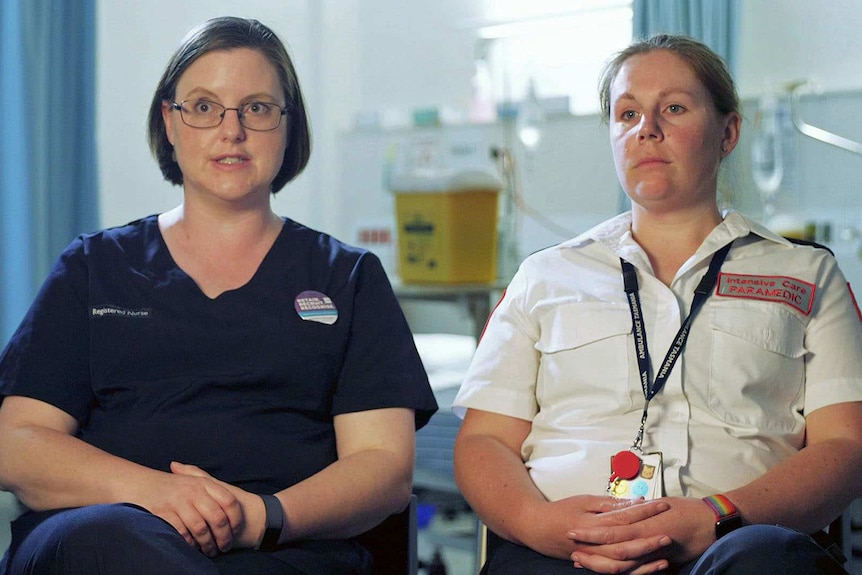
[(635, 474)]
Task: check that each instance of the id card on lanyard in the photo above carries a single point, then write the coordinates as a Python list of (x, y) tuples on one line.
[(635, 474)]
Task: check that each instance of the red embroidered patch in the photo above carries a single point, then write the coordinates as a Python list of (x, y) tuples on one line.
[(496, 305), (794, 292), (853, 297)]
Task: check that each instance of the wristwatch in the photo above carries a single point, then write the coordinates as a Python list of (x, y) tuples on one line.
[(727, 518), (274, 522)]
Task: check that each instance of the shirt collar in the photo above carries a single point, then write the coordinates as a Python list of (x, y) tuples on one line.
[(610, 233), (616, 234), (734, 226)]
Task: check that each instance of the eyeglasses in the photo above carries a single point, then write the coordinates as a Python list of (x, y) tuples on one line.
[(258, 116)]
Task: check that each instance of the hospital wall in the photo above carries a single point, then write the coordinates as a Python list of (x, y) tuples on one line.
[(357, 56)]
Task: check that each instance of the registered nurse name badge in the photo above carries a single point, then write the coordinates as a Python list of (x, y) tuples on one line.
[(315, 306)]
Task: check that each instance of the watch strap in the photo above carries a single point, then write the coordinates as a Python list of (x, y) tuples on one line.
[(727, 517), (721, 505), (274, 522)]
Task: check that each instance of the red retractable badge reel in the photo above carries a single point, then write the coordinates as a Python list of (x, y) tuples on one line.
[(625, 465)]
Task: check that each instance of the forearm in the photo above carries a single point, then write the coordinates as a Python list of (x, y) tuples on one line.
[(348, 497), (496, 483), (807, 491), (48, 469)]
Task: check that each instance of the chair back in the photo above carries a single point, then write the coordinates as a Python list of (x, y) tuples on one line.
[(487, 545), (392, 544)]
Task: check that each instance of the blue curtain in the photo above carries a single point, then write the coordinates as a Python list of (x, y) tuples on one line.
[(48, 180), (713, 22)]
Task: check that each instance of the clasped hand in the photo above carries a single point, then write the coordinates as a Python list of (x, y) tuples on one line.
[(211, 515), (599, 532), (638, 537)]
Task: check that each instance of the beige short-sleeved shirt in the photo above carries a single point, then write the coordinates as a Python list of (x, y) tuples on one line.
[(779, 337)]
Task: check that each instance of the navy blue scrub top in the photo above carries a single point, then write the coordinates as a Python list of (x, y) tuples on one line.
[(244, 385)]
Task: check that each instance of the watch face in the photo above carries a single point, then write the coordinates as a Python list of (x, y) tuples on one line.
[(727, 524)]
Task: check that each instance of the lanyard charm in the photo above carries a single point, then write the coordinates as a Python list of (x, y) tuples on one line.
[(636, 477), (624, 465)]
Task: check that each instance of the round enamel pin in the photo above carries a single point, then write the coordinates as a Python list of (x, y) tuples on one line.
[(315, 306)]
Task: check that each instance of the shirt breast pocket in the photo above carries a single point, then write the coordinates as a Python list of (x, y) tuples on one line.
[(757, 372), (584, 366)]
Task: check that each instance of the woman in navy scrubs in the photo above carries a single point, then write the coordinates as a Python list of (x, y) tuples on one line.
[(213, 389)]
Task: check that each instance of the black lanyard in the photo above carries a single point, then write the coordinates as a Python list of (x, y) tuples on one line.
[(701, 292)]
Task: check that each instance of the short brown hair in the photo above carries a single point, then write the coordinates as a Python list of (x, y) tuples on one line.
[(707, 66), (227, 33)]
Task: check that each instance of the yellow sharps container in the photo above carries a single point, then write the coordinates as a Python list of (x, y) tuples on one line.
[(447, 226)]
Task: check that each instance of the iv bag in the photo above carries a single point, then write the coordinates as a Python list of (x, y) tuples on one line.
[(767, 158), (530, 119)]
